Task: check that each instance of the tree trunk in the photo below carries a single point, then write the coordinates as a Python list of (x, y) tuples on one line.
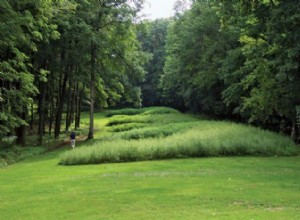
[(60, 106), (294, 132), (78, 107), (92, 92), (51, 114), (41, 113), (73, 103), (52, 105), (21, 132), (68, 106), (31, 117)]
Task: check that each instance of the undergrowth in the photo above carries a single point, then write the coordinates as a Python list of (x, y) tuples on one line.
[(14, 154)]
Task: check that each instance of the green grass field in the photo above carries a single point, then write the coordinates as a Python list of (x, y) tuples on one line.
[(188, 188), (205, 188)]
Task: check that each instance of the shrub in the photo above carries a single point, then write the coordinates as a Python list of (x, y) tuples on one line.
[(15, 153), (8, 141)]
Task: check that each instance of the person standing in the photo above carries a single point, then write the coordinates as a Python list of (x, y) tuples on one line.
[(73, 137)]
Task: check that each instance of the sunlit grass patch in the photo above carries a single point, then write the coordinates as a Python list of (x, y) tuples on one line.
[(212, 188), (204, 139)]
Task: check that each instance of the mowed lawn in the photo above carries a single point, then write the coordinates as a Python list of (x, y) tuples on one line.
[(205, 188), (199, 188)]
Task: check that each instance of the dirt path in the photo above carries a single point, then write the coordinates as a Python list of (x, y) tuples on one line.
[(65, 143)]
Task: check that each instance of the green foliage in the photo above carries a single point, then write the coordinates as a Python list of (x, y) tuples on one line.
[(190, 77), (152, 36), (23, 25), (59, 53), (7, 141), (243, 62)]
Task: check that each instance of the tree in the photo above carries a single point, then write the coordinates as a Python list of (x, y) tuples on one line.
[(109, 24), (264, 79), (191, 73), (152, 35), (54, 52), (23, 25)]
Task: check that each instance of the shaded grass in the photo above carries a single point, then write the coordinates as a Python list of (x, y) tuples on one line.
[(15, 153), (11, 153)]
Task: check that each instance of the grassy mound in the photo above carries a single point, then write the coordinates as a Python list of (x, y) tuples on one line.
[(126, 127), (144, 111), (160, 110), (176, 135), (125, 111)]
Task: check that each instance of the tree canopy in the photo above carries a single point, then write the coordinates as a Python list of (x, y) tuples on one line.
[(234, 60), (56, 55)]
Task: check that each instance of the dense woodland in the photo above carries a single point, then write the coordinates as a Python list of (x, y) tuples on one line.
[(237, 60)]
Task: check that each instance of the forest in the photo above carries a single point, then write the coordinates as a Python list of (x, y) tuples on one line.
[(232, 60)]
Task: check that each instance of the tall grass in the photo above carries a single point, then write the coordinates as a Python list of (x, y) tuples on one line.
[(150, 119), (203, 139), (126, 127), (156, 131)]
